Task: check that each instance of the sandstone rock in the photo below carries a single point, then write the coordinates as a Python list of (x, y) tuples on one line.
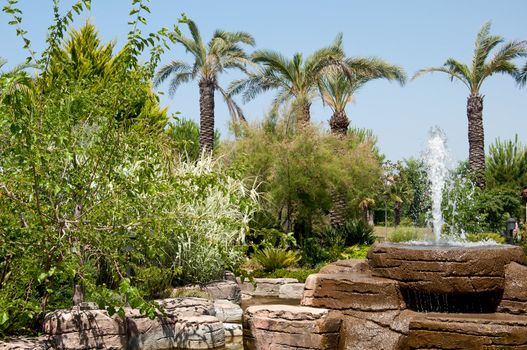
[(229, 276), (343, 266), (289, 327), (175, 307), (444, 269), (352, 291), (95, 322), (232, 330), (185, 332), (24, 343), (265, 287), (291, 291), (374, 330), (87, 341), (514, 298), (467, 331), (224, 290), (227, 311)]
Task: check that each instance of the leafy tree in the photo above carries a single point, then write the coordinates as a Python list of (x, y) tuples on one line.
[(295, 79), (507, 164), (222, 53), (338, 90), (473, 77)]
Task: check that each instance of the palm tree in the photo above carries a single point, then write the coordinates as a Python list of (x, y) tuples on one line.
[(337, 90), (222, 52), (295, 79), (473, 77), (522, 76)]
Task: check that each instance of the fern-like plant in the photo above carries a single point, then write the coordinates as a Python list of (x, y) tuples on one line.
[(271, 258)]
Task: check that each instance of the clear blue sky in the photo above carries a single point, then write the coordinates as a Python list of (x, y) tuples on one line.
[(412, 33)]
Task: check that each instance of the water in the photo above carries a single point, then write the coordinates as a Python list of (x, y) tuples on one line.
[(436, 161)]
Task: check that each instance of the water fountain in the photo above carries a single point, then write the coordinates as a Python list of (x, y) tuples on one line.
[(420, 295)]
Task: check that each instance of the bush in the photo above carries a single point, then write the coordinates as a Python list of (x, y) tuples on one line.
[(405, 234), (356, 252), (275, 258), (485, 236), (356, 232)]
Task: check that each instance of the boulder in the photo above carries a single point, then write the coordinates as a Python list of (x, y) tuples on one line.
[(175, 307), (229, 290), (25, 343), (343, 266), (227, 311), (277, 327), (352, 291), (185, 332), (291, 291), (265, 287), (444, 269), (514, 298), (467, 331), (232, 330)]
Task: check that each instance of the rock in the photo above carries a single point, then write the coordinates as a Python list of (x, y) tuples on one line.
[(343, 266), (224, 290), (291, 291), (232, 330), (467, 331), (96, 322), (25, 343), (175, 307), (381, 330), (514, 298), (265, 287), (352, 291), (444, 269), (227, 311), (229, 276), (185, 332), (277, 327)]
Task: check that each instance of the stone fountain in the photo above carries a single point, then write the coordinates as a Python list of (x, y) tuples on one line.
[(404, 297), (420, 295)]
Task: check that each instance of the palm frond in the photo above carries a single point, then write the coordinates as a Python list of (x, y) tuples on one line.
[(173, 68), (453, 74), (235, 111), (521, 77), (177, 80), (275, 61)]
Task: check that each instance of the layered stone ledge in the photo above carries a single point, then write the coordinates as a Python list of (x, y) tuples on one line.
[(466, 331), (282, 327)]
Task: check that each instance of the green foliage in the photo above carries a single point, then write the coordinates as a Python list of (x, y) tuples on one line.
[(507, 164), (405, 234), (355, 232), (186, 292), (298, 173), (359, 251), (485, 236), (185, 136), (271, 258)]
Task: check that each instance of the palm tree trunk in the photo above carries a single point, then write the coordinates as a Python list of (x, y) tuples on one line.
[(397, 213), (476, 139), (337, 214), (339, 123), (304, 117), (206, 114)]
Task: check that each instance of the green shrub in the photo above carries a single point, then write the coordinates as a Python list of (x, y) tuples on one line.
[(189, 293), (275, 258), (356, 252), (356, 232), (483, 236), (404, 234)]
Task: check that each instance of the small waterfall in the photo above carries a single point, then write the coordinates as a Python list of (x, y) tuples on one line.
[(436, 161)]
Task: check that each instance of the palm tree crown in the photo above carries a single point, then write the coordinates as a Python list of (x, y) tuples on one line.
[(473, 76), (337, 90), (522, 76), (223, 52), (295, 79)]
